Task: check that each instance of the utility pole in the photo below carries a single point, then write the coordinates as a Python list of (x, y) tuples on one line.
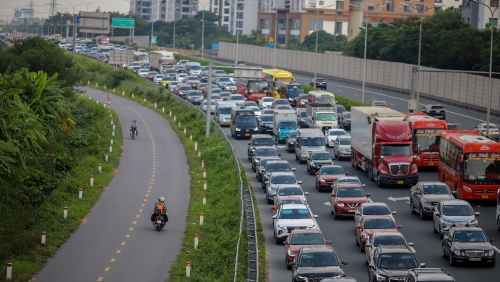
[(31, 6)]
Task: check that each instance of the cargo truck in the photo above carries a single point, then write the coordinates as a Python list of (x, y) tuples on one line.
[(160, 60), (284, 122), (321, 117), (382, 145), (121, 58)]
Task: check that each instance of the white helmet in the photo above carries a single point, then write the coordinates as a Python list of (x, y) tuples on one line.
[(161, 199)]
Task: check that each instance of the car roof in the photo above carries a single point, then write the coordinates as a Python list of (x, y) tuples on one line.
[(349, 185), (432, 274), (378, 216), (432, 182), (394, 249), (293, 206), (306, 231), (277, 173), (328, 166), (374, 204), (457, 202), (287, 197), (348, 177), (336, 129), (387, 233), (282, 186), (278, 161), (317, 249), (467, 228), (265, 147), (320, 152)]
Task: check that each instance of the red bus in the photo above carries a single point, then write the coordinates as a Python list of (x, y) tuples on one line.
[(426, 133), (102, 40), (469, 163)]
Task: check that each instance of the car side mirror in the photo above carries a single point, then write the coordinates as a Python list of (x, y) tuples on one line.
[(410, 244), (422, 265), (399, 226), (328, 242), (306, 193), (333, 195), (363, 185), (477, 213), (286, 243), (299, 182), (294, 169), (438, 214), (371, 266), (368, 194), (343, 262), (273, 208), (275, 216), (394, 212)]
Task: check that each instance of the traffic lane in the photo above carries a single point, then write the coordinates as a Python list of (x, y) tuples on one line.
[(110, 245)]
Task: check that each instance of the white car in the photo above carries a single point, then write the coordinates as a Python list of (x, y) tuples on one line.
[(342, 147), (332, 135), (172, 85), (238, 99), (78, 49), (158, 78), (231, 87), (266, 102), (180, 77), (205, 106), (143, 72), (256, 110), (289, 190), (290, 217)]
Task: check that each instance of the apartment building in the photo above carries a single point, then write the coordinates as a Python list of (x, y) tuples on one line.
[(478, 15), (239, 16), (298, 18), (164, 10)]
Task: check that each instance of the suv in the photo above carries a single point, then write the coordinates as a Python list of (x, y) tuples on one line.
[(320, 83), (425, 195), (453, 213), (275, 180), (261, 152), (428, 274), (290, 217), (318, 159), (258, 140), (391, 263), (273, 166), (436, 111), (316, 262)]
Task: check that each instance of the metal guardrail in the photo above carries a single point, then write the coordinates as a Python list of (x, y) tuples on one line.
[(246, 200)]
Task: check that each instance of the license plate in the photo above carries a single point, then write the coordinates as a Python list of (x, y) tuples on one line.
[(431, 164), (475, 259), (352, 210), (400, 181), (247, 134), (158, 221), (484, 197)]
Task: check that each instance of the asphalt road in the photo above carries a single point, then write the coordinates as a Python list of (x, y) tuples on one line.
[(117, 241), (341, 232)]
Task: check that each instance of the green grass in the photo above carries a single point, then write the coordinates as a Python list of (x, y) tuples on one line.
[(23, 249)]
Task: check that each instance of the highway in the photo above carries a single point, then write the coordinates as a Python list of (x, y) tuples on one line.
[(116, 241), (341, 232)]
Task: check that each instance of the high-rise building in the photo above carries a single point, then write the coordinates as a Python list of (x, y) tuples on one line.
[(237, 15), (478, 15), (164, 10)]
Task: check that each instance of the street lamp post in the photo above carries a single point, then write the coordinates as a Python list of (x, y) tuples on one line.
[(87, 11), (488, 109), (421, 12), (364, 56), (317, 32), (203, 28), (173, 42), (74, 29), (275, 31)]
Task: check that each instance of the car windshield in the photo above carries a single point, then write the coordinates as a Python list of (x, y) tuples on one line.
[(376, 210), (294, 90), (469, 236), (283, 179), (153, 73), (216, 91), (436, 189), (397, 261), (322, 156), (174, 83), (313, 141), (287, 202), (225, 111), (319, 259), (295, 214), (303, 114), (278, 167), (224, 79), (159, 76), (215, 97), (167, 78), (250, 104), (220, 72), (192, 79), (267, 100), (477, 168), (457, 210), (437, 108), (283, 107), (340, 110), (288, 125), (351, 192), (348, 180), (379, 104), (332, 170), (388, 240), (195, 94), (307, 239), (266, 152), (379, 223), (268, 112), (282, 102), (347, 115), (195, 67), (345, 141), (290, 191), (403, 149), (185, 88), (326, 117), (237, 98), (263, 142), (170, 71), (248, 119), (267, 118), (337, 132)]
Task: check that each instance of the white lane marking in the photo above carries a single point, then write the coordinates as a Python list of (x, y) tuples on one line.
[(401, 99), (326, 203), (398, 199), (393, 105), (339, 90), (496, 249)]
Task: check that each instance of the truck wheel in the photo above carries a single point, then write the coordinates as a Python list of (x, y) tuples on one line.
[(379, 182), (370, 173), (353, 161)]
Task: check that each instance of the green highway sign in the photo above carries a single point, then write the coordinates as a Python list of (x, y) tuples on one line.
[(154, 39), (123, 22)]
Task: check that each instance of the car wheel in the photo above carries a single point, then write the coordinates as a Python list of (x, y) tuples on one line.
[(278, 241), (269, 201), (440, 233), (443, 252), (421, 213), (335, 215), (379, 182), (434, 227), (412, 208)]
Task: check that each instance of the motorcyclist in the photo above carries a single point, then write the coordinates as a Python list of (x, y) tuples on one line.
[(133, 127), (161, 201)]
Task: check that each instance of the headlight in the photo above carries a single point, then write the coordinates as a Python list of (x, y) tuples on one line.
[(380, 277), (491, 253), (467, 189), (256, 129), (311, 226), (312, 164), (473, 222), (427, 201), (290, 253), (341, 149), (414, 171), (340, 204), (383, 171), (238, 129), (322, 180), (457, 252), (281, 227)]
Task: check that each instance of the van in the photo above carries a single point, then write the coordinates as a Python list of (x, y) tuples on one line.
[(243, 123), (193, 68), (222, 112), (308, 140)]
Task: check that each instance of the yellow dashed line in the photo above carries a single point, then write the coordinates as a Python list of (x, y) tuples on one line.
[(151, 183), (99, 279), (124, 243), (118, 251), (113, 260), (127, 236), (138, 216), (131, 229), (143, 205), (145, 200), (140, 210), (106, 269), (147, 195), (134, 222), (149, 191)]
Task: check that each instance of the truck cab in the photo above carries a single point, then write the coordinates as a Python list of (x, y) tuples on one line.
[(284, 122), (308, 140)]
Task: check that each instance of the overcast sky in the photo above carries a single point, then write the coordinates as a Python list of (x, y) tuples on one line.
[(7, 6)]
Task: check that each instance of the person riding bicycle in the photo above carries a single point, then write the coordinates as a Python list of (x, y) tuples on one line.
[(161, 201), (133, 127)]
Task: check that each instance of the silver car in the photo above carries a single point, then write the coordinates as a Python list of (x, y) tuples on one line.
[(275, 180), (238, 99), (425, 195), (453, 212), (342, 147), (205, 106), (493, 132), (292, 216), (289, 190)]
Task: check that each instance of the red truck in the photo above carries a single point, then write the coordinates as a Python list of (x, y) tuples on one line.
[(252, 89), (386, 153)]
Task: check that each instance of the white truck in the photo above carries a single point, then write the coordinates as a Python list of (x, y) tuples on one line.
[(284, 122), (321, 117), (248, 73), (121, 58), (160, 60)]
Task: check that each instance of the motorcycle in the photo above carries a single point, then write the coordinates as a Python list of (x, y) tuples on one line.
[(133, 133), (159, 221)]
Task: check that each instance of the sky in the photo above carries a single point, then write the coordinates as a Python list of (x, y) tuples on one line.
[(41, 6)]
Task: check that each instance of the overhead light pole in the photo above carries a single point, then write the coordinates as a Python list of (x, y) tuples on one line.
[(87, 11), (203, 28), (488, 108), (364, 56), (74, 29)]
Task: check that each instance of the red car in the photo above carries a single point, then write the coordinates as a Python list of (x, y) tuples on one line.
[(151, 75), (327, 175), (374, 223), (285, 201), (280, 102), (346, 199), (299, 238)]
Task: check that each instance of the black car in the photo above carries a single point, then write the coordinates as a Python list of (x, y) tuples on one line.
[(436, 111), (195, 97), (345, 120), (391, 263), (258, 140), (273, 166), (468, 245), (203, 77), (317, 159), (429, 274), (301, 117), (261, 169), (261, 152), (180, 69), (290, 140), (452, 126), (315, 263), (340, 109), (265, 123), (320, 83)]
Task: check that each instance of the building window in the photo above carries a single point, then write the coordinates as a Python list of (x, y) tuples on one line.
[(281, 39), (370, 6), (146, 4), (314, 25), (282, 25), (146, 17), (240, 7), (226, 19), (216, 10), (146, 11), (493, 22), (493, 3), (294, 36), (295, 25), (419, 8), (407, 9), (338, 28), (163, 16), (239, 15), (226, 3), (340, 5), (185, 9), (239, 24), (388, 6), (226, 11), (184, 17), (321, 3), (186, 2), (216, 3)]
